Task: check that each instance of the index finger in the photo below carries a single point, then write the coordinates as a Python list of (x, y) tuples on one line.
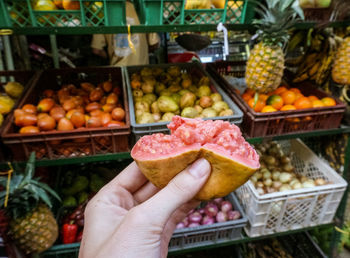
[(131, 179)]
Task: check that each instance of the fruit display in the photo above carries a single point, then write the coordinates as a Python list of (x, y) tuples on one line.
[(265, 64), (341, 67), (216, 211), (315, 3), (277, 173), (160, 157), (72, 107), (32, 225), (12, 91), (159, 94), (284, 99)]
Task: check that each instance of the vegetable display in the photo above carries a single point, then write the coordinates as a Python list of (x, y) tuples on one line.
[(216, 211), (276, 173)]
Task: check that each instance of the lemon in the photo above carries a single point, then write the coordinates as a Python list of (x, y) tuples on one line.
[(14, 89), (6, 104)]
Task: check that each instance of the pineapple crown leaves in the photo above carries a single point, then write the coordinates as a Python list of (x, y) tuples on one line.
[(25, 191), (276, 20)]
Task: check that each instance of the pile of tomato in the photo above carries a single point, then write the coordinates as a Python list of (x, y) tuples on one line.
[(283, 99)]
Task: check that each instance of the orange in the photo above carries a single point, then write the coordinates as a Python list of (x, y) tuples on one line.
[(263, 97), (295, 90), (298, 95), (303, 102), (246, 97), (280, 90), (258, 106), (312, 98), (288, 107), (317, 103), (275, 101), (250, 91), (327, 101), (71, 5), (288, 97), (268, 108)]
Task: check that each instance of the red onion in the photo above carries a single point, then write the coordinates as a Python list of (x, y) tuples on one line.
[(195, 217), (233, 215), (191, 211), (193, 224), (226, 206), (185, 221), (207, 220), (180, 225), (218, 201), (201, 211), (211, 209), (221, 216)]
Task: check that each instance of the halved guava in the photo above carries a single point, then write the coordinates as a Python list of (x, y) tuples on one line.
[(160, 157)]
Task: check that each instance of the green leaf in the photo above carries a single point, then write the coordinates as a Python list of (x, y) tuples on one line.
[(287, 3), (46, 188), (44, 197), (30, 167)]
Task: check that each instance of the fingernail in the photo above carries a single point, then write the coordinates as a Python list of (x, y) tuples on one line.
[(200, 168)]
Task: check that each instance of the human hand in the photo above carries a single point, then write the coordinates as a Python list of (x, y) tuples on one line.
[(130, 217)]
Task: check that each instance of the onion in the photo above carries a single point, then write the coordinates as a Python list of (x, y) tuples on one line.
[(218, 201), (268, 182), (258, 175), (276, 175), (270, 190), (284, 188), (193, 225), (285, 160), (294, 181), (320, 181), (285, 177), (266, 174), (303, 179), (276, 185), (259, 185), (233, 215), (211, 209), (308, 184), (226, 206), (297, 185), (201, 211), (185, 221), (260, 191), (276, 208), (191, 211), (180, 225), (253, 179), (207, 220), (288, 167), (195, 217), (221, 216)]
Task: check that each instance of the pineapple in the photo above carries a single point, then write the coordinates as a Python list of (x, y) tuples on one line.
[(32, 225), (341, 67), (266, 61)]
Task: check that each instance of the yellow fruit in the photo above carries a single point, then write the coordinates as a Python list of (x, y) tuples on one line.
[(218, 3), (341, 67), (6, 104), (198, 4), (44, 5), (14, 89), (1, 119)]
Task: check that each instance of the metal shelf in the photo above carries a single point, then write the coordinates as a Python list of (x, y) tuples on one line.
[(148, 28), (74, 248)]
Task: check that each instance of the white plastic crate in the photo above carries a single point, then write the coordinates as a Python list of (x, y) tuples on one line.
[(294, 209)]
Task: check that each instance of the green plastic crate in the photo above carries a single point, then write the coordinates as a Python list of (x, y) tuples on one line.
[(173, 12), (20, 13)]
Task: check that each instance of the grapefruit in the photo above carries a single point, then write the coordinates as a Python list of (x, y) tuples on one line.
[(160, 157)]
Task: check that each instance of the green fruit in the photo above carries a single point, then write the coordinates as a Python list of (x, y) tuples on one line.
[(167, 104), (198, 108), (6, 104), (137, 93), (220, 106), (146, 71), (167, 116), (106, 173), (176, 97), (69, 201), (82, 197), (193, 89), (216, 97), (174, 71), (157, 116), (80, 184), (183, 92), (154, 107), (96, 183), (203, 91), (159, 87), (208, 112), (145, 118), (189, 112), (148, 84), (142, 106), (165, 92), (174, 88), (187, 100), (149, 98), (204, 81), (226, 112), (14, 89)]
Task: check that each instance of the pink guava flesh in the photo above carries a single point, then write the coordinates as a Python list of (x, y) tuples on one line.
[(193, 134)]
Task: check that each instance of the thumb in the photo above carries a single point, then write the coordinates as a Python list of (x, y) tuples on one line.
[(181, 189)]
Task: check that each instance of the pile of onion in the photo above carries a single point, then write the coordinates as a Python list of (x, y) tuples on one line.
[(218, 210)]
